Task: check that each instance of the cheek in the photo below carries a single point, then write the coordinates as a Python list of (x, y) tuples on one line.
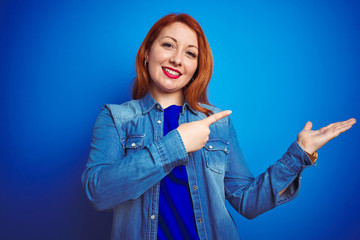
[(191, 68), (154, 65), (158, 56)]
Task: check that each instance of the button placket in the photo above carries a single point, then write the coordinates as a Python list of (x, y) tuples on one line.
[(156, 118)]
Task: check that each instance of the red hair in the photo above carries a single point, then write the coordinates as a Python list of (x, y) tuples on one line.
[(196, 91)]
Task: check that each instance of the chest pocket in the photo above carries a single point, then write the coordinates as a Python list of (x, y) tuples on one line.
[(133, 144), (216, 151)]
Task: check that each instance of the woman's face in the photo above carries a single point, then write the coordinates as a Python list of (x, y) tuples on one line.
[(172, 59)]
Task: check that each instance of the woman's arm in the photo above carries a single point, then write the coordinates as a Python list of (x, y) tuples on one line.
[(280, 183), (111, 178)]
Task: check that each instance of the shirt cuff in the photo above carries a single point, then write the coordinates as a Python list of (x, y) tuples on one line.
[(172, 151), (296, 159)]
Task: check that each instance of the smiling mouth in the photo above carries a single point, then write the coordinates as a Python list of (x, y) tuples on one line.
[(171, 73)]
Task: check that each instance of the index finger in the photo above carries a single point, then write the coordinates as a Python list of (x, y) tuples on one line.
[(216, 117)]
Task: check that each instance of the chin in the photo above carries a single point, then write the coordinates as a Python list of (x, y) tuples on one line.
[(170, 90)]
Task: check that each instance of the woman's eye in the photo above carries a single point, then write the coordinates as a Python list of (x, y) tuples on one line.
[(167, 45), (191, 54)]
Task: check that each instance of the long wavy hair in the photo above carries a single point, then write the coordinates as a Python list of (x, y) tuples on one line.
[(196, 90)]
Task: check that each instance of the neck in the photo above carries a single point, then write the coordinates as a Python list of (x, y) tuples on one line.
[(167, 99)]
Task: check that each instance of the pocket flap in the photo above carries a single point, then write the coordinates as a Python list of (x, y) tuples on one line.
[(134, 141), (216, 145)]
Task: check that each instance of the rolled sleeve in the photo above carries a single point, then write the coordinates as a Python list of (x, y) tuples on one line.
[(253, 196), (169, 155), (296, 159)]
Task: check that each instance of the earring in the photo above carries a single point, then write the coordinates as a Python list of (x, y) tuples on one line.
[(145, 62)]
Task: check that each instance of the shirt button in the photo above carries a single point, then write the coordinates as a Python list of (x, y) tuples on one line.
[(225, 149), (152, 217), (195, 187), (133, 144), (158, 106), (200, 220), (211, 147), (159, 122)]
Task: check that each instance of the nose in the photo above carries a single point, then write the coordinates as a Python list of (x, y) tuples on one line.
[(176, 58)]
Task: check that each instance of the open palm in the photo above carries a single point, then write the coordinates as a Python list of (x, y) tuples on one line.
[(311, 140)]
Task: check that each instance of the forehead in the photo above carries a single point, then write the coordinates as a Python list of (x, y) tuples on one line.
[(181, 32)]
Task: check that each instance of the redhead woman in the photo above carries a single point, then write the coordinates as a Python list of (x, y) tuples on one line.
[(166, 161)]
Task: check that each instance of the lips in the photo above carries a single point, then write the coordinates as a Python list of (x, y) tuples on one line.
[(171, 73)]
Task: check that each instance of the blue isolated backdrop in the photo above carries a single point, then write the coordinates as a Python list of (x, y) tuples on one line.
[(278, 64)]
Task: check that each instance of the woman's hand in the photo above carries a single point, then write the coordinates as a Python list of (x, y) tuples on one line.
[(311, 141), (195, 134)]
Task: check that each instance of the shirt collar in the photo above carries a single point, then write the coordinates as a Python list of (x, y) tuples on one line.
[(186, 104), (148, 102)]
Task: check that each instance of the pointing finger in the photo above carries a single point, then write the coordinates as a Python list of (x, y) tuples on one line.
[(217, 116)]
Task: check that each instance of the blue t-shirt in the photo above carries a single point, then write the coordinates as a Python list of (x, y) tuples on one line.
[(176, 215)]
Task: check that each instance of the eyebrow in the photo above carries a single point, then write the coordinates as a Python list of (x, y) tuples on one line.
[(176, 41)]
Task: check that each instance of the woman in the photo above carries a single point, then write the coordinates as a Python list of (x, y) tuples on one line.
[(166, 161)]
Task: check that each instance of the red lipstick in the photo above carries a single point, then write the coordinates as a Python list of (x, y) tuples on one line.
[(171, 73)]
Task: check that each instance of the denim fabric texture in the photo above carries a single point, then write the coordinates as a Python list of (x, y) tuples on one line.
[(129, 156)]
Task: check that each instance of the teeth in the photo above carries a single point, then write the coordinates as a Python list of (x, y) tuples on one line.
[(172, 72)]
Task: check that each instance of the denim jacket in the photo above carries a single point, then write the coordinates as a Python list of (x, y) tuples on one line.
[(129, 156)]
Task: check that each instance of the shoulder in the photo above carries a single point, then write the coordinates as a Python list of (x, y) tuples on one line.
[(220, 129), (214, 109), (124, 111)]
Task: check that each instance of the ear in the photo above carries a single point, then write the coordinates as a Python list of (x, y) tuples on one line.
[(146, 55)]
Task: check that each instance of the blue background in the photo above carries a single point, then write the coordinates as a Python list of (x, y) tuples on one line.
[(278, 64)]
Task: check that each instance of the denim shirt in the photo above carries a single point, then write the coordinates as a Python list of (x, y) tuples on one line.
[(129, 156)]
